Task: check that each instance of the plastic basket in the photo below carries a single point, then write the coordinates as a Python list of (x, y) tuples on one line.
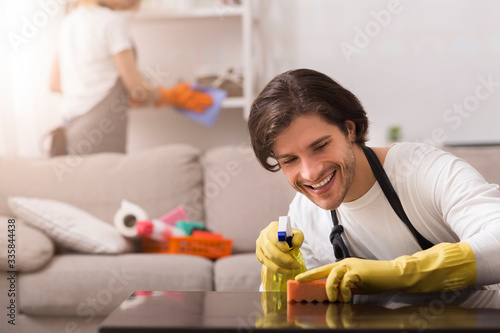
[(205, 247)]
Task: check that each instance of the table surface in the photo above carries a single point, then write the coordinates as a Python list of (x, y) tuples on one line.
[(193, 311)]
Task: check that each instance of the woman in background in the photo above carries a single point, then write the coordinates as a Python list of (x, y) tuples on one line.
[(95, 69)]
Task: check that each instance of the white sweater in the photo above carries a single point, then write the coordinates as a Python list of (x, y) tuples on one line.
[(445, 199)]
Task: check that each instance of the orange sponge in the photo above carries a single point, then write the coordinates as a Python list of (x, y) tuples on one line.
[(312, 291)]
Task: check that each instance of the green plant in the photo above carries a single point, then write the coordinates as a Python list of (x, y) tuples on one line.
[(394, 133)]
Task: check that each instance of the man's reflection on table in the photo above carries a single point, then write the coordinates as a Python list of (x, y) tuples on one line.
[(446, 309)]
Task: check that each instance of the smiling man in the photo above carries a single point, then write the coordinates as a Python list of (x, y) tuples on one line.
[(407, 217)]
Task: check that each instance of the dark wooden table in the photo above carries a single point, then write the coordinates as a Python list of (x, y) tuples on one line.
[(164, 311)]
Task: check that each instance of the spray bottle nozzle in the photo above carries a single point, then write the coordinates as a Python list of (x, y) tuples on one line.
[(285, 233)]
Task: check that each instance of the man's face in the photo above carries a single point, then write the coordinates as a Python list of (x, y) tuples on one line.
[(318, 159)]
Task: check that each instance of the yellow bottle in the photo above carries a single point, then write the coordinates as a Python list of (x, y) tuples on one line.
[(285, 234)]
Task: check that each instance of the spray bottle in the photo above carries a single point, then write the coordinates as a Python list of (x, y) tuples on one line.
[(285, 234)]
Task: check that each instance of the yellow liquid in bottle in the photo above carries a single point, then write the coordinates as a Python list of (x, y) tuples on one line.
[(280, 280)]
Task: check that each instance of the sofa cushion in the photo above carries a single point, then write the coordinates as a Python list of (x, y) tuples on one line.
[(239, 272), (485, 159), (69, 226), (241, 197), (157, 179), (90, 286), (33, 249)]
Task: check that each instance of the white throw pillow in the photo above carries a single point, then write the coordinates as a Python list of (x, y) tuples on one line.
[(70, 226)]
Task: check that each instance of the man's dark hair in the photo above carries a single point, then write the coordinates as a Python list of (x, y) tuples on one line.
[(296, 93)]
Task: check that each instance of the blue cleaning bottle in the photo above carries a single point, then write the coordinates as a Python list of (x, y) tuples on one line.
[(285, 234)]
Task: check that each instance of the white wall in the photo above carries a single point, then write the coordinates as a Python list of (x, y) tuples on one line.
[(416, 64), (420, 65)]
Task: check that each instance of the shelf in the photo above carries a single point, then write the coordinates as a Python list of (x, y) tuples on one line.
[(213, 17), (233, 102), (216, 11)]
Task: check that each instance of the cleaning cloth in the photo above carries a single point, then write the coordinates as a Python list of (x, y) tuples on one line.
[(210, 115)]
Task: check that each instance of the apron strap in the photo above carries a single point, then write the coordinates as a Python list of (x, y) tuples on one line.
[(392, 196), (339, 248), (393, 199)]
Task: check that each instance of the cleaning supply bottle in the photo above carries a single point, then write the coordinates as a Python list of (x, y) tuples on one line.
[(158, 230), (285, 234)]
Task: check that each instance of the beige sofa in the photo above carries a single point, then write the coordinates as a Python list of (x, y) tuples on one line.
[(61, 291)]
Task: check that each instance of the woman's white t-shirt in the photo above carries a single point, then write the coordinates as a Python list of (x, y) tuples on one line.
[(89, 37)]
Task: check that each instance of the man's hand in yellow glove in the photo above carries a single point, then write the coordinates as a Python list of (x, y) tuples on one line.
[(184, 97), (276, 255), (444, 266)]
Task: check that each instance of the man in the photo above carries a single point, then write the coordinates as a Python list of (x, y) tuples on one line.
[(407, 217)]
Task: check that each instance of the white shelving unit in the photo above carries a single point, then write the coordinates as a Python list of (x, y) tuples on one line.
[(193, 13), (202, 16)]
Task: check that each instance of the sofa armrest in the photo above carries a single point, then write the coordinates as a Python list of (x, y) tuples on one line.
[(28, 248)]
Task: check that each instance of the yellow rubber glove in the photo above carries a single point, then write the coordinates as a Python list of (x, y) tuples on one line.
[(184, 97), (444, 266), (276, 255)]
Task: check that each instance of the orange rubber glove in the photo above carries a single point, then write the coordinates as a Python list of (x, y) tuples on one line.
[(184, 97)]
